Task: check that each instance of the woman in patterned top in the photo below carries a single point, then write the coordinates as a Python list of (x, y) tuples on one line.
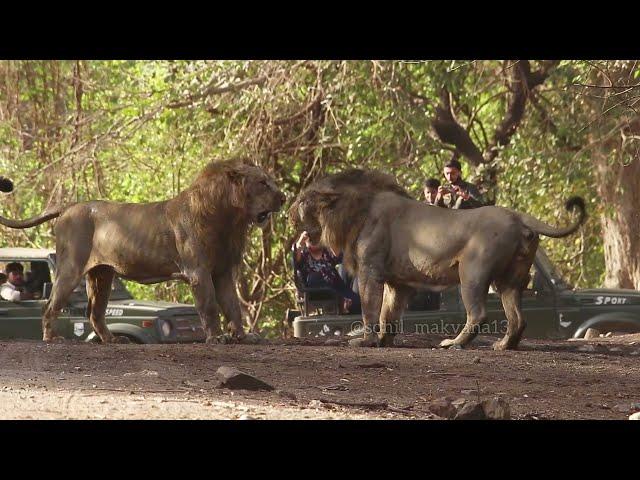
[(318, 266)]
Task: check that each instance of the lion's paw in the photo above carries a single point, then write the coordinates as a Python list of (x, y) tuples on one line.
[(250, 339), (55, 339), (121, 339), (450, 343), (363, 342), (501, 346), (387, 341)]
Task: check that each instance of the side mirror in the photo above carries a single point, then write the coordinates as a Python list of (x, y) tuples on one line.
[(46, 290)]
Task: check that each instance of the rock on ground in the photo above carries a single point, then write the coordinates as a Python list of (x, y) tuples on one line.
[(464, 409), (231, 377)]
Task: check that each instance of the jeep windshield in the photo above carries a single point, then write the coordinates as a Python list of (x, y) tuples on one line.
[(548, 266), (118, 290)]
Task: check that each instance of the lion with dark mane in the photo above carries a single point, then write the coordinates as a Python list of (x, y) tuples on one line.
[(395, 245), (198, 237)]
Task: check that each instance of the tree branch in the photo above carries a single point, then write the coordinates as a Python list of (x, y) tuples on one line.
[(523, 81), (301, 113), (450, 131), (216, 90)]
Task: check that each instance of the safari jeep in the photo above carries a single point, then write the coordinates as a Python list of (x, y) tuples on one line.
[(140, 321), (552, 308)]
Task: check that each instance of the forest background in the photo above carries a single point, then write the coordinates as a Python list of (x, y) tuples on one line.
[(529, 133)]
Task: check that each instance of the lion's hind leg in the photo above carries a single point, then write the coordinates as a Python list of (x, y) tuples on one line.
[(393, 304), (511, 297), (474, 287), (66, 281), (510, 285), (510, 289), (99, 280)]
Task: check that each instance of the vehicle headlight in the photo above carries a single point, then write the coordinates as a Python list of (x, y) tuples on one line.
[(166, 328)]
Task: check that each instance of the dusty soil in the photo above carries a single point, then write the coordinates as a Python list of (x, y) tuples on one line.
[(597, 379)]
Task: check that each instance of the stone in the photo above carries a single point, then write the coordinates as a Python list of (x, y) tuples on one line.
[(234, 379), (635, 416), (249, 338), (622, 408), (496, 409), (372, 365), (246, 417), (627, 407), (591, 333), (253, 339), (285, 394), (443, 408), (315, 404), (459, 403), (587, 348), (471, 411)]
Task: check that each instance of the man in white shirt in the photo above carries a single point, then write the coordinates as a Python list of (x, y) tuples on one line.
[(13, 290)]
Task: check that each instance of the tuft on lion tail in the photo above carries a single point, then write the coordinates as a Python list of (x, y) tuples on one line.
[(543, 229), (6, 185), (33, 221)]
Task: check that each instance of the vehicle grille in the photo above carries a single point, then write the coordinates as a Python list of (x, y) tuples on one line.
[(188, 329)]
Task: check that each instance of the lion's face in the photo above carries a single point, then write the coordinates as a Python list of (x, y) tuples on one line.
[(305, 217), (261, 195), (305, 213)]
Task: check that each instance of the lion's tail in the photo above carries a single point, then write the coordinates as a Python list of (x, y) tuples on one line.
[(543, 229), (33, 221)]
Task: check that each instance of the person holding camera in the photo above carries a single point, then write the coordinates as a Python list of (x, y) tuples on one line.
[(458, 193), (318, 266)]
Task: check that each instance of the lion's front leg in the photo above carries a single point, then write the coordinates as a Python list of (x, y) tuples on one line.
[(205, 299), (371, 294), (229, 304)]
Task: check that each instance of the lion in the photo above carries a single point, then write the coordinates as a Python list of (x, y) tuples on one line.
[(395, 245), (197, 237)]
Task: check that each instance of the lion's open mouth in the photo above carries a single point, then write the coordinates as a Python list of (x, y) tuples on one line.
[(262, 216)]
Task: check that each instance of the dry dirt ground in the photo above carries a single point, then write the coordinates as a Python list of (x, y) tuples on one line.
[(596, 379)]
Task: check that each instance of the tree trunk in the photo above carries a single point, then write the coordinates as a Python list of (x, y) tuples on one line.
[(617, 162), (619, 188)]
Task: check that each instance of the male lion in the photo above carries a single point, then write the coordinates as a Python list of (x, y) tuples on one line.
[(396, 244), (197, 237)]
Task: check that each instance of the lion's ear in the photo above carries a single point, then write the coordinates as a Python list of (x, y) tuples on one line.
[(235, 174), (238, 193), (328, 199)]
